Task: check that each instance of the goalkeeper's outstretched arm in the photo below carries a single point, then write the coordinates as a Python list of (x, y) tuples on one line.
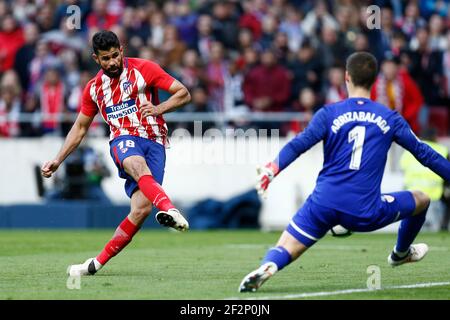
[(314, 132)]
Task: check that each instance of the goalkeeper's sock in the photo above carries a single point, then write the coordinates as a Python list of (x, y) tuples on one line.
[(409, 228), (123, 235), (278, 255), (155, 193)]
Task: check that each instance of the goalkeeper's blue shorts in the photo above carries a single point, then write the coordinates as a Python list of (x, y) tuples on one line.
[(313, 221)]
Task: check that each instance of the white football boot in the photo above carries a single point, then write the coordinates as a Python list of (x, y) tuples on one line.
[(254, 280), (172, 218), (416, 253), (89, 267)]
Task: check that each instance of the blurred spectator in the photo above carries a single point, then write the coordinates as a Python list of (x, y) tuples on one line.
[(185, 20), (215, 76), (267, 86), (251, 19), (205, 36), (191, 72), (234, 96), (75, 92), (347, 17), (306, 69), (24, 10), (64, 37), (437, 33), (269, 29), (25, 54), (172, 49), (426, 68), (10, 104), (11, 39), (246, 40), (332, 50), (129, 49), (335, 89), (291, 26), (412, 20), (157, 24), (387, 30), (100, 17), (43, 58), (71, 75), (148, 53), (361, 42), (44, 17), (51, 96), (248, 59), (307, 103), (136, 27), (225, 23), (199, 103), (73, 106), (280, 47), (397, 90), (194, 40), (446, 67), (398, 43), (317, 19)]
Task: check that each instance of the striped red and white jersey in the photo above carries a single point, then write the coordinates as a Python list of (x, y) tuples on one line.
[(119, 99)]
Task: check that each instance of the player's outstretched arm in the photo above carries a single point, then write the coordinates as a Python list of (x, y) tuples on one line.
[(314, 132), (426, 155), (73, 139), (179, 97)]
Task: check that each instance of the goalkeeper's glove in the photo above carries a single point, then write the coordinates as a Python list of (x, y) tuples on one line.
[(265, 176)]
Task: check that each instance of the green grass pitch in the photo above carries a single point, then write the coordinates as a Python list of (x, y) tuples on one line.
[(159, 264)]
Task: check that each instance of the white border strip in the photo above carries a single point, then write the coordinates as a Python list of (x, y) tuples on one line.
[(297, 228), (347, 291)]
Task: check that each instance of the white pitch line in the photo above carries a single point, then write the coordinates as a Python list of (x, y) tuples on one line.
[(347, 291), (248, 246)]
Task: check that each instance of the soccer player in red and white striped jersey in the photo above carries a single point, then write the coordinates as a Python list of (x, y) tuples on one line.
[(125, 93)]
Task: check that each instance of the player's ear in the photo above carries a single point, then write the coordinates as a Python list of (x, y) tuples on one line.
[(347, 77), (95, 57)]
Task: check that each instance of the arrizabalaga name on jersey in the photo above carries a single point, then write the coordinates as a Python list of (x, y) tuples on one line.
[(121, 110), (360, 116)]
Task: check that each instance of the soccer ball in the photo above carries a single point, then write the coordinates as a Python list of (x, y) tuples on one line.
[(340, 231)]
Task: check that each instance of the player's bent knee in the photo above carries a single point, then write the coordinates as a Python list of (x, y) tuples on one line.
[(422, 201), (136, 167)]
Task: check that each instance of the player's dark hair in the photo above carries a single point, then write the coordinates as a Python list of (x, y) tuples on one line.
[(105, 40), (362, 68)]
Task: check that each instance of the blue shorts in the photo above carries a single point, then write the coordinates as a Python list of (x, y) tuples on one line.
[(313, 221), (154, 154)]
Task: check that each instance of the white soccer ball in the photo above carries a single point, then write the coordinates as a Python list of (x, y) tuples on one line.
[(340, 231)]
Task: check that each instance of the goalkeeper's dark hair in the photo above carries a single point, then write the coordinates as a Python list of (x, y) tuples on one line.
[(104, 40), (362, 68)]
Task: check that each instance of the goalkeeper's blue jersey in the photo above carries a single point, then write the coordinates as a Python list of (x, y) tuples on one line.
[(357, 134)]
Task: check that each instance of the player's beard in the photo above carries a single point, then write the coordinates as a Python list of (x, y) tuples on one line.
[(114, 72)]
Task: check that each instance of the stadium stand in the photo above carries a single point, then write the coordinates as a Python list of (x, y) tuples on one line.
[(216, 47)]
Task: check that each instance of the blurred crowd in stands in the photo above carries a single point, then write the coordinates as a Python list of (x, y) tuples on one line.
[(235, 57)]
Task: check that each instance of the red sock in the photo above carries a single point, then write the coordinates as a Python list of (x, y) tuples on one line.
[(155, 193), (123, 235)]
